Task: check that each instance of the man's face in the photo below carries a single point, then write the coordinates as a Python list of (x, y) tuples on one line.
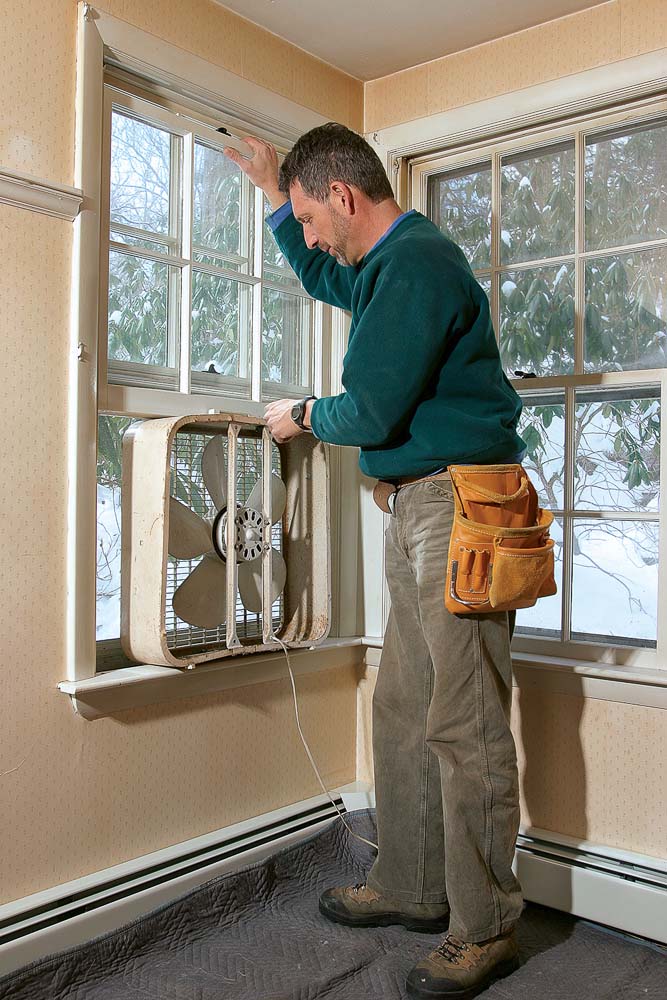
[(323, 226)]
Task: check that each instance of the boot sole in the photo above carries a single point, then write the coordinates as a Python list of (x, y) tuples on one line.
[(386, 920), (502, 970)]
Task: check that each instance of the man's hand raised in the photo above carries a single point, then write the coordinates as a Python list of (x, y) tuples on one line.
[(262, 169)]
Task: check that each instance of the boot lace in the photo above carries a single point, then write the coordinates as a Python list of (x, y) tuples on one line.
[(359, 887), (452, 949)]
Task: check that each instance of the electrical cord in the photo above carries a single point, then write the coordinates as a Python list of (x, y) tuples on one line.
[(310, 756)]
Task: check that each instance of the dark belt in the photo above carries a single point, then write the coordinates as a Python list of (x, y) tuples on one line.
[(406, 480), (384, 490)]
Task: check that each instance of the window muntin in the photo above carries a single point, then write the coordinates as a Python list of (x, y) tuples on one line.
[(581, 305)]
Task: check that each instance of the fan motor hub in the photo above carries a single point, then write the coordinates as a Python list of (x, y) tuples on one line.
[(249, 534)]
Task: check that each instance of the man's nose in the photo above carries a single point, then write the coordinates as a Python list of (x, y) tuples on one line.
[(311, 241)]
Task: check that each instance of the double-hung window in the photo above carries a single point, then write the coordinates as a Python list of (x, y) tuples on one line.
[(566, 231), (199, 310)]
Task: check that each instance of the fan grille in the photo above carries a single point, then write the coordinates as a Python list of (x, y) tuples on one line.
[(187, 485)]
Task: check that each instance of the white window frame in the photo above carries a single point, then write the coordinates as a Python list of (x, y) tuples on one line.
[(248, 108), (542, 115), (422, 169)]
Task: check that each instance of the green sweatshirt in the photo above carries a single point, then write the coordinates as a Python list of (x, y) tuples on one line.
[(424, 386)]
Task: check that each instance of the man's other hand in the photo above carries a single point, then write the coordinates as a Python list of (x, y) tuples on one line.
[(279, 418), (262, 169)]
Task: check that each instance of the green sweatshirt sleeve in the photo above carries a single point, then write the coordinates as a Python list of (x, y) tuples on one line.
[(397, 348), (320, 274)]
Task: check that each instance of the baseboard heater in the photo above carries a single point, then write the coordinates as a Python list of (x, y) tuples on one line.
[(622, 889), (78, 911)]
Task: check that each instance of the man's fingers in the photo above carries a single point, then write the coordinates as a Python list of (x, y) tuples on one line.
[(232, 153)]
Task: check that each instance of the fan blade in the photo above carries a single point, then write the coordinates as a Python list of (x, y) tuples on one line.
[(214, 471), (189, 534), (201, 599), (250, 581), (278, 497)]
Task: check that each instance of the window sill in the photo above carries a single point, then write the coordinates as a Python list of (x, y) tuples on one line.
[(645, 686), (146, 684)]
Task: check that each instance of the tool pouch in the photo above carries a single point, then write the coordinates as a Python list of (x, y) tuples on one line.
[(500, 554)]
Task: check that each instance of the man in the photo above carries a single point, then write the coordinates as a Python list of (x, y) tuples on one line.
[(424, 389)]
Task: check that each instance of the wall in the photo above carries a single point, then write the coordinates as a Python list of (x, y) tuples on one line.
[(76, 796), (595, 37)]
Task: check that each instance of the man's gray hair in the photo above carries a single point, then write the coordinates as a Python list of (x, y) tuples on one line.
[(329, 153)]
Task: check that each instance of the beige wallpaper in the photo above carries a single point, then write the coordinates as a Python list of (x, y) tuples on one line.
[(595, 37), (38, 65), (593, 769), (77, 796)]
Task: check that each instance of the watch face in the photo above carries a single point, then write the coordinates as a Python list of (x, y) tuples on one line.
[(296, 412)]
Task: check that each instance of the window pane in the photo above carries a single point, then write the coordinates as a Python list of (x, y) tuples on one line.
[(544, 618), (139, 294), (626, 187), (221, 309), (615, 581), (460, 205), (537, 320), (626, 311), (109, 456), (542, 427), (140, 166), (217, 201), (286, 326), (617, 463), (485, 283), (276, 267), (537, 211)]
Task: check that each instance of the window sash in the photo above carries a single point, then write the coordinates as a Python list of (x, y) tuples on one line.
[(490, 152), (181, 256)]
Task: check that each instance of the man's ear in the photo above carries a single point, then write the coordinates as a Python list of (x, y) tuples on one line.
[(341, 196)]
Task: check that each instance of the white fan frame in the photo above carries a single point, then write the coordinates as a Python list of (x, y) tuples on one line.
[(147, 448)]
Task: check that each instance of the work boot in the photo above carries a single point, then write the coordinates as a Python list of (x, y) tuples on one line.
[(460, 970), (361, 906)]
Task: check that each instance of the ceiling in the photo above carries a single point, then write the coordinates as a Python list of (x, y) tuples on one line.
[(372, 39)]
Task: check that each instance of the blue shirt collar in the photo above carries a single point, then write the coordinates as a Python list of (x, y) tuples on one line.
[(412, 211)]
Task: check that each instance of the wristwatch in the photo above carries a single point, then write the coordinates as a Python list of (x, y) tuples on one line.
[(298, 412)]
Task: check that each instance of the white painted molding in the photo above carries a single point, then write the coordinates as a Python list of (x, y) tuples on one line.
[(23, 191), (106, 40), (145, 684), (580, 93), (164, 65), (603, 682)]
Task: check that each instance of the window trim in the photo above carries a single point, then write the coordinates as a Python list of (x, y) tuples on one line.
[(104, 39), (415, 149)]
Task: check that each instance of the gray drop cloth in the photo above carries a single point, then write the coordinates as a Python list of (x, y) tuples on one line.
[(257, 934)]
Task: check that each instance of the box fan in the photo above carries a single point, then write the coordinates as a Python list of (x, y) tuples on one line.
[(225, 540)]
